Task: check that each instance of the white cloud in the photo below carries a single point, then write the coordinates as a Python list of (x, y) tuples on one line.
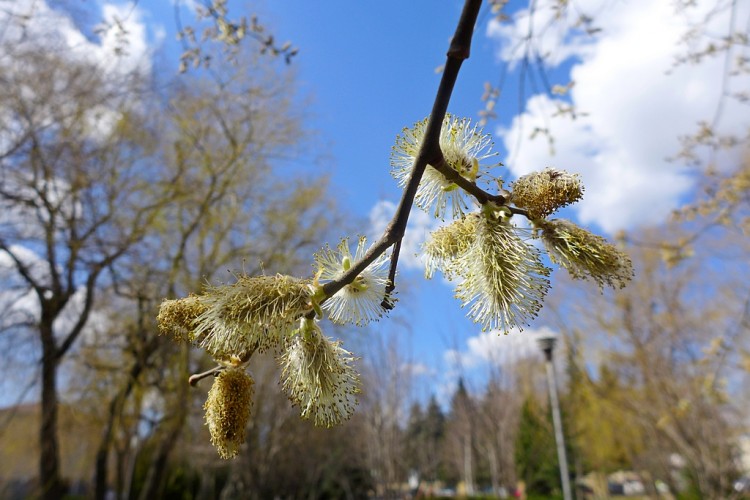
[(35, 266), (124, 36), (416, 369), (121, 48), (420, 225), (552, 40), (495, 349), (638, 105), (19, 304)]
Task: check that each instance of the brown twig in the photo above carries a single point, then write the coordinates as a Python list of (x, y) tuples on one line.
[(470, 187), (197, 377), (388, 303)]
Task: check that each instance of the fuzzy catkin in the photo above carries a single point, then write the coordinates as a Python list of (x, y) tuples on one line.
[(585, 255), (177, 317), (543, 193), (504, 281), (228, 408), (251, 314), (318, 376)]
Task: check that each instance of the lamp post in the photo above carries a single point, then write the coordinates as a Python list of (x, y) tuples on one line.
[(548, 345)]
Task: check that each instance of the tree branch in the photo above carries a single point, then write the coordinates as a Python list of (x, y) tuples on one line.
[(82, 317), (429, 153), (23, 270), (197, 377), (470, 187)]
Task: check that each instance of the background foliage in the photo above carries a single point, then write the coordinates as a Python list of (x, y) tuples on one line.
[(119, 189)]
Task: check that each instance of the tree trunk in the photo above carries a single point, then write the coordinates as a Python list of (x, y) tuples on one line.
[(115, 411), (155, 474), (102, 455), (494, 469), (468, 466), (49, 458)]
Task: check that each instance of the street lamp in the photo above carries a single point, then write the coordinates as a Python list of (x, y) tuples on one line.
[(548, 346)]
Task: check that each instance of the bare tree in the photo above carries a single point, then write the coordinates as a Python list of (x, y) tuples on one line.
[(461, 437), (76, 194), (85, 184), (228, 133), (498, 414), (220, 140), (384, 407)]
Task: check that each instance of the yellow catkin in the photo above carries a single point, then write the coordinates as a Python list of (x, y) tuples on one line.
[(251, 314), (318, 376), (177, 317), (228, 409), (542, 193), (585, 255), (505, 281), (448, 243)]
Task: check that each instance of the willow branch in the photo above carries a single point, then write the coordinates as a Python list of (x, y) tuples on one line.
[(429, 152), (197, 377), (388, 303), (470, 187)]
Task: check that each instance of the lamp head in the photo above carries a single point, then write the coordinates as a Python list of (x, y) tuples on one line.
[(548, 345)]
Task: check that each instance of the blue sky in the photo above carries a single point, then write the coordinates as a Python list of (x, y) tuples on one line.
[(370, 71)]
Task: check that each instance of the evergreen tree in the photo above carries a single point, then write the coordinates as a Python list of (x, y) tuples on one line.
[(536, 455), (434, 437), (415, 439)]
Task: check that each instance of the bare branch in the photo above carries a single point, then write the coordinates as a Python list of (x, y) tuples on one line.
[(429, 152), (197, 377)]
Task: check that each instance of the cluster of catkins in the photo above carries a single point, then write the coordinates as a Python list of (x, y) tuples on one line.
[(278, 314), (499, 275)]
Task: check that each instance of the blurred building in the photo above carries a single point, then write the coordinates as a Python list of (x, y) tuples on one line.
[(19, 453)]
